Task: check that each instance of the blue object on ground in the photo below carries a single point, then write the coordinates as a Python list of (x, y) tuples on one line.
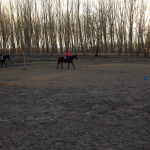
[(144, 78)]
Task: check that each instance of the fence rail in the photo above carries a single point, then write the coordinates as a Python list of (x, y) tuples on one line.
[(40, 56)]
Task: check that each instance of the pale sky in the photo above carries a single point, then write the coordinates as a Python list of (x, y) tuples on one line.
[(63, 2)]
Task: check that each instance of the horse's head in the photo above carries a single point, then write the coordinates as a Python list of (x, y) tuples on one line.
[(76, 57)]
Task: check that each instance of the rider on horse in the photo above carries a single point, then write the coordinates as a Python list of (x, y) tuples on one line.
[(1, 57), (67, 55)]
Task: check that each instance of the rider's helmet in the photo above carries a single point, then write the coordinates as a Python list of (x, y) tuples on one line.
[(67, 50)]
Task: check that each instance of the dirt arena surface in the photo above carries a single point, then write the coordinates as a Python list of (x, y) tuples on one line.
[(94, 107)]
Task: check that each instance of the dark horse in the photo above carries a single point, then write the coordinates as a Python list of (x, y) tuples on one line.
[(62, 60), (3, 61)]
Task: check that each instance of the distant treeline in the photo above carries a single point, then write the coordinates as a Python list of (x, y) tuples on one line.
[(86, 27)]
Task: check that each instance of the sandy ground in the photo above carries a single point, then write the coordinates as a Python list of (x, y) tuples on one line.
[(94, 107)]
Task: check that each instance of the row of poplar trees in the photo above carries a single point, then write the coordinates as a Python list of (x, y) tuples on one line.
[(82, 26)]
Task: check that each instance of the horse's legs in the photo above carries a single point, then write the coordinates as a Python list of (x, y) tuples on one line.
[(58, 64), (5, 64), (61, 65), (73, 65), (68, 65), (1, 64)]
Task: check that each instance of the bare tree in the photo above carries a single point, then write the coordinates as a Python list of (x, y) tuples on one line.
[(0, 24), (125, 28), (60, 26), (119, 26), (141, 27), (5, 26), (45, 10), (37, 28), (72, 27), (79, 25), (51, 25), (67, 27), (98, 27), (131, 22), (12, 27), (104, 23), (28, 26), (111, 19)]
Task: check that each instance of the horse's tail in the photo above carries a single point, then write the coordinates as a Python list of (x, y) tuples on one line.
[(58, 63)]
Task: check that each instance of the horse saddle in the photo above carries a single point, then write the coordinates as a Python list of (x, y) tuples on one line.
[(66, 59)]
